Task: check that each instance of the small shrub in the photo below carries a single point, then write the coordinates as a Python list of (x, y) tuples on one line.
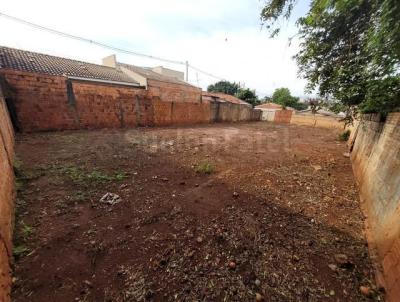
[(19, 175), (119, 176), (20, 250), (344, 136), (205, 168), (26, 230)]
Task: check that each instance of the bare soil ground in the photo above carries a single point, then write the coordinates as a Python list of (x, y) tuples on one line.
[(226, 212)]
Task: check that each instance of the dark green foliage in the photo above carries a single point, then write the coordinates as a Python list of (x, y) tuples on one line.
[(299, 106), (249, 96), (224, 87), (350, 50), (282, 96), (266, 99), (337, 107), (273, 11), (344, 136)]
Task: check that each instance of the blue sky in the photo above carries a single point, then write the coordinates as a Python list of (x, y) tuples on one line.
[(223, 37)]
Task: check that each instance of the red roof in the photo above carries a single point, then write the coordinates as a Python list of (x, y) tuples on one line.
[(269, 105), (224, 97), (29, 61)]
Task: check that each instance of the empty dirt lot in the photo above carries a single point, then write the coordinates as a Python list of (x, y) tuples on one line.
[(226, 212)]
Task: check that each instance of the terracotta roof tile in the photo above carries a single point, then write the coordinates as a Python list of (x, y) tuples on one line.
[(22, 60), (269, 106), (224, 97)]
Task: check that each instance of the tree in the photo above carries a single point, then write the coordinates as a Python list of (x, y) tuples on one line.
[(350, 49), (283, 97), (224, 87), (249, 96), (315, 104), (266, 99)]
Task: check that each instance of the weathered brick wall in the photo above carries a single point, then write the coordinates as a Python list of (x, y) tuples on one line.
[(105, 106), (41, 101), (169, 92), (376, 165), (283, 116), (188, 113), (46, 102), (6, 199), (229, 112)]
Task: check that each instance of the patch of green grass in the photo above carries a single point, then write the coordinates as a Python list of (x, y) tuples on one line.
[(81, 177), (344, 136), (120, 176), (19, 175), (79, 196), (205, 168), (20, 250), (22, 175), (26, 230)]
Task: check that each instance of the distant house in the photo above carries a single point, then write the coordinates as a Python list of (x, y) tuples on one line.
[(32, 62), (269, 106), (167, 84), (269, 110), (222, 97)]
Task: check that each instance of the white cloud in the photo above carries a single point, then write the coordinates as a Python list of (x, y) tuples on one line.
[(221, 37)]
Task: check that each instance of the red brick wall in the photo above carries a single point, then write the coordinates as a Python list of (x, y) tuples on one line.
[(6, 199), (106, 106), (169, 92), (283, 116), (185, 113), (42, 103)]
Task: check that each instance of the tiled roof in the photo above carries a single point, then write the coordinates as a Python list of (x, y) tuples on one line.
[(152, 75), (269, 106), (22, 60), (224, 97)]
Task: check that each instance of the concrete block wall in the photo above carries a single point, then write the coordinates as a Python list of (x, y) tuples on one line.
[(268, 115), (376, 164), (6, 199), (289, 116)]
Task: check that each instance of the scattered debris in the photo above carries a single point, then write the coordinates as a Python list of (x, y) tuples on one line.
[(189, 238), (333, 267), (110, 198), (259, 297), (316, 167), (366, 291), (343, 261), (232, 265)]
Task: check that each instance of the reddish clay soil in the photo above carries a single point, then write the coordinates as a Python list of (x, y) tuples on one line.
[(277, 217)]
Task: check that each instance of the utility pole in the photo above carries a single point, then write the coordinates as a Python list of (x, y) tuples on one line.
[(187, 71)]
